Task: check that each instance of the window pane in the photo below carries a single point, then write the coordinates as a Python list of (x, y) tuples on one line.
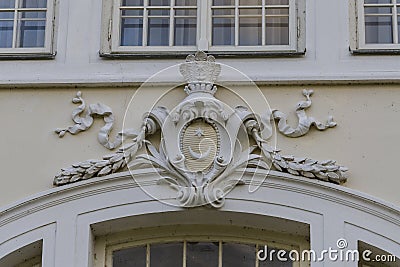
[(33, 3), (6, 33), (132, 2), (185, 31), (277, 11), (277, 31), (223, 31), (250, 31), (378, 1), (159, 12), (224, 2), (378, 10), (250, 11), (162, 255), (7, 4), (378, 29), (277, 2), (6, 15), (238, 255), (131, 32), (202, 254), (158, 32), (33, 15), (186, 12), (185, 2), (398, 28), (130, 257), (132, 12), (250, 3), (159, 2), (32, 33), (219, 11), (275, 262)]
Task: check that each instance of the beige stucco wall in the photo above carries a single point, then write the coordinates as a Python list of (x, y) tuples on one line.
[(365, 139)]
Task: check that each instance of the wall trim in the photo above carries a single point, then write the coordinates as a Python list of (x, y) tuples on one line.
[(276, 180)]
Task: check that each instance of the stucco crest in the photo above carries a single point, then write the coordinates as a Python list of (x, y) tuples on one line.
[(202, 145)]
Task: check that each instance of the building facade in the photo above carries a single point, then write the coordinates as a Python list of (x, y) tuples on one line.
[(281, 136)]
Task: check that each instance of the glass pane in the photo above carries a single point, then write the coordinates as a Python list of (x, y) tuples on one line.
[(277, 2), (223, 31), (159, 2), (185, 2), (158, 34), (7, 4), (33, 15), (277, 31), (130, 257), (132, 12), (274, 261), (131, 32), (238, 255), (250, 11), (202, 254), (162, 255), (34, 3), (159, 12), (224, 2), (31, 33), (277, 11), (6, 15), (250, 31), (185, 31), (250, 3), (6, 33), (378, 29), (398, 28), (186, 12), (132, 2), (223, 12), (378, 1), (378, 10)]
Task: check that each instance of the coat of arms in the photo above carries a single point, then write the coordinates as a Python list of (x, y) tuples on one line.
[(202, 144)]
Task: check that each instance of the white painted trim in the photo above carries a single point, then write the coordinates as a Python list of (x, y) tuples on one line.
[(46, 233), (76, 208), (120, 181)]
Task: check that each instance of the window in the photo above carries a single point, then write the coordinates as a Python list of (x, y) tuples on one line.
[(375, 257), (26, 27), (200, 245), (195, 253), (27, 256), (160, 26), (378, 25)]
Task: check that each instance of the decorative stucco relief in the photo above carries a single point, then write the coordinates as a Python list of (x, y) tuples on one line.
[(202, 163), (304, 123), (83, 123)]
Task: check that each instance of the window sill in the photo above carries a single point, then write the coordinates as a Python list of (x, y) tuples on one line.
[(23, 56), (176, 54), (374, 51)]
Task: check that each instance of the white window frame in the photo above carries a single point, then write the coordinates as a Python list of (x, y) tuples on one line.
[(106, 245), (357, 28), (47, 50), (111, 34)]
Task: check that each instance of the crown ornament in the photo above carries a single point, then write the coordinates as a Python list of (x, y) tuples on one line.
[(200, 72)]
